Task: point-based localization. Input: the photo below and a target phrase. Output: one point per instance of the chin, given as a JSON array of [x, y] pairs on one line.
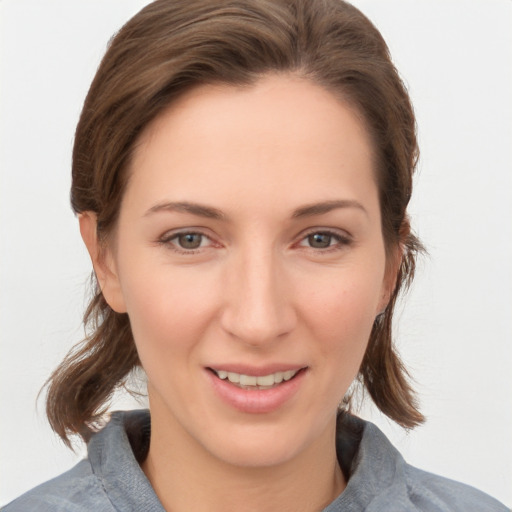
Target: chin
[[261, 453], [259, 446]]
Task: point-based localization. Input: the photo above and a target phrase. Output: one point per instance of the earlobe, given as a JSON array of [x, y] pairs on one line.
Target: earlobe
[[103, 262]]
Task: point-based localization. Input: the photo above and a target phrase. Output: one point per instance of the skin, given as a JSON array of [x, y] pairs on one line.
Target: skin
[[257, 290]]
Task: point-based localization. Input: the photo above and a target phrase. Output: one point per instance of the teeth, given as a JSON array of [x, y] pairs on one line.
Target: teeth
[[233, 377], [267, 380], [288, 375], [250, 380]]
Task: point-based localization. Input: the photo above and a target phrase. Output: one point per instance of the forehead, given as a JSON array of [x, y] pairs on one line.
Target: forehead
[[281, 134]]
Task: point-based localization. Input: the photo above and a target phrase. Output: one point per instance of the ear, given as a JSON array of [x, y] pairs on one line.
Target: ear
[[103, 262], [393, 262]]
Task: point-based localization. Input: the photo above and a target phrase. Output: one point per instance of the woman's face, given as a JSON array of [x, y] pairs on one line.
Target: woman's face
[[249, 257]]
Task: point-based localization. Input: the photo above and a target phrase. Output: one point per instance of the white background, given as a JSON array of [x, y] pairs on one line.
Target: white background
[[455, 333]]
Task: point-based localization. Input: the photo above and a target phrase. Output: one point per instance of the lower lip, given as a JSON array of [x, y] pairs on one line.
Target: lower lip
[[256, 401]]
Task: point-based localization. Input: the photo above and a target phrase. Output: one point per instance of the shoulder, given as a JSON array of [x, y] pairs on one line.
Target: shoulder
[[379, 479], [109, 479], [432, 492], [77, 490]]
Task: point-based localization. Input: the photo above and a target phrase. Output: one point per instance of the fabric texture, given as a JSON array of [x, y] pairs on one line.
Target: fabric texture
[[379, 479]]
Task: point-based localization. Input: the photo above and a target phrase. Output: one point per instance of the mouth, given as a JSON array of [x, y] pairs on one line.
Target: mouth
[[260, 382]]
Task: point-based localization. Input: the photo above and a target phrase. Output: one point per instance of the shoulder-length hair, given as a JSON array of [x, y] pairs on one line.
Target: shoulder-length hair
[[168, 48]]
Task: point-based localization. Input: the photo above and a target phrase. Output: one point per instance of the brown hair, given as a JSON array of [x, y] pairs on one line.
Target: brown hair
[[173, 45]]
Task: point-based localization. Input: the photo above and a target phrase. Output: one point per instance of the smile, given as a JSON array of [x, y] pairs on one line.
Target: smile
[[266, 392], [256, 382]]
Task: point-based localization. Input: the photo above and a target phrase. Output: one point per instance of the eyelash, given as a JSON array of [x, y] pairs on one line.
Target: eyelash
[[168, 241], [341, 241]]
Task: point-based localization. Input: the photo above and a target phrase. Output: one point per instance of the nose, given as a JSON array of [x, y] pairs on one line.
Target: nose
[[258, 303]]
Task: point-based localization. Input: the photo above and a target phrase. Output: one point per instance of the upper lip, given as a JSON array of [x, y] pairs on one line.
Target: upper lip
[[256, 371]]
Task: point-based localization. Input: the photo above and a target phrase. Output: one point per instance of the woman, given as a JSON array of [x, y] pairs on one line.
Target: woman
[[241, 174]]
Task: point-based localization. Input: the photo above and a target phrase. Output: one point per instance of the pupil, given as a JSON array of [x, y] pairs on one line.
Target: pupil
[[190, 240], [319, 240]]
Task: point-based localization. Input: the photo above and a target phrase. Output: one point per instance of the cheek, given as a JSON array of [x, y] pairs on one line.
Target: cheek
[[341, 315], [168, 309], [339, 319]]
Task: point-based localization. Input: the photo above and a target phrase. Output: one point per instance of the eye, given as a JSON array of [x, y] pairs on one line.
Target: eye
[[324, 240], [185, 242], [319, 240], [189, 240]]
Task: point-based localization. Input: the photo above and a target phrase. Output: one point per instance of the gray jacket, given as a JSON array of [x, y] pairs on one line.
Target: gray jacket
[[379, 479]]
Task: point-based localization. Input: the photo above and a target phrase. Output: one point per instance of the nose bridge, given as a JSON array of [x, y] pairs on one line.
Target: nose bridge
[[258, 308]]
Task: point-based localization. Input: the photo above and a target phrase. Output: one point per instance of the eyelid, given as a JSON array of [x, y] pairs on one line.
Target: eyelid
[[173, 233], [169, 236], [343, 237]]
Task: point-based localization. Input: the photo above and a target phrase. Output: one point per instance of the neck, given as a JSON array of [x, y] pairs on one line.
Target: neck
[[187, 478]]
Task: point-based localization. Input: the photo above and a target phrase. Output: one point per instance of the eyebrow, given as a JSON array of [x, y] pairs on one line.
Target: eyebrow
[[213, 213], [186, 207], [326, 207]]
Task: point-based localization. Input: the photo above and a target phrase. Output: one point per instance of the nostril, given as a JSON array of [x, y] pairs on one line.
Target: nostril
[[258, 327]]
